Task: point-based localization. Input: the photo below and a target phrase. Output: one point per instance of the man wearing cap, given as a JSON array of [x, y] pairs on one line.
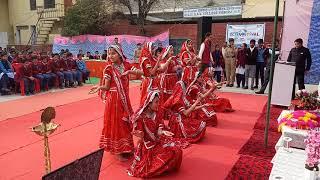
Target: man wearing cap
[[230, 62]]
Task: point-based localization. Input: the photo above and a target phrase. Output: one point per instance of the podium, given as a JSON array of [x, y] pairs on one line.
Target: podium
[[283, 78]]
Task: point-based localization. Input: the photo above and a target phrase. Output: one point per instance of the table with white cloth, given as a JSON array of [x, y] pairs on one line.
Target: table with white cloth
[[297, 135], [288, 165]]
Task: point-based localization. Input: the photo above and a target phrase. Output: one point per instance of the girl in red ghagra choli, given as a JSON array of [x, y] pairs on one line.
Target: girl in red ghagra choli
[[219, 104], [169, 67], [114, 90], [182, 122], [154, 155], [188, 58], [207, 112], [149, 66]]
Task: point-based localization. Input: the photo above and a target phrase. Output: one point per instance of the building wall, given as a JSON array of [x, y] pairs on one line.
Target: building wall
[[4, 22], [190, 31], [21, 15], [261, 8]]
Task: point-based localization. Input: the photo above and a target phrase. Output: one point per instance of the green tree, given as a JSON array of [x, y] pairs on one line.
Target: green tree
[[87, 17]]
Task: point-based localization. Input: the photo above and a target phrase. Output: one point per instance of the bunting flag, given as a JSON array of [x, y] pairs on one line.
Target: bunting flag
[[92, 43]]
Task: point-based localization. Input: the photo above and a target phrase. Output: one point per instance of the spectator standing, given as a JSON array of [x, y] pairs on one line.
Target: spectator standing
[[260, 63], [242, 57], [250, 65], [205, 53], [218, 60], [230, 62], [302, 57], [268, 67]]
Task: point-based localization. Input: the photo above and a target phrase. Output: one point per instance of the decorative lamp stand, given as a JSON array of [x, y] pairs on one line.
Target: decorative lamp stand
[[44, 129]]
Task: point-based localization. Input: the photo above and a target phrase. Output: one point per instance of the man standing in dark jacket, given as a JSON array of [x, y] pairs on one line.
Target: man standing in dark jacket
[[250, 67], [302, 57]]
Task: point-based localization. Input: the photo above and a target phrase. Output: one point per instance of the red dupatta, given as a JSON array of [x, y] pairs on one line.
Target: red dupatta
[[146, 53], [185, 49], [116, 75]]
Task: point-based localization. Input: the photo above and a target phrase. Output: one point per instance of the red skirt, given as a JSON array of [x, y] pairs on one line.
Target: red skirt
[[148, 84], [208, 115], [188, 128], [116, 134], [221, 105], [167, 84], [189, 73], [155, 161]]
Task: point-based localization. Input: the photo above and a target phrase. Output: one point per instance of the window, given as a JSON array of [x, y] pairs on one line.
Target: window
[[33, 4], [49, 4]]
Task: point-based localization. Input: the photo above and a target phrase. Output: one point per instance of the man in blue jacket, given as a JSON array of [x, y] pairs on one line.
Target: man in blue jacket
[[6, 75]]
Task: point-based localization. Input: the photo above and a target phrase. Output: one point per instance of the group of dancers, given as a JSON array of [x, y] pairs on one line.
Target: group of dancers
[[174, 111]]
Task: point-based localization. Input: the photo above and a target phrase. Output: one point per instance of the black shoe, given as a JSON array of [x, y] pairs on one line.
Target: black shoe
[[255, 87], [259, 92], [252, 88], [230, 85], [246, 87], [238, 86]]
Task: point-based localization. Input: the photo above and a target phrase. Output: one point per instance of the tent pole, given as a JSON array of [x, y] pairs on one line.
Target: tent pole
[[275, 29]]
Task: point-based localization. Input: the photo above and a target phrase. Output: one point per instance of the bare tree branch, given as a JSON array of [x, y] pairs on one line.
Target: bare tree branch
[[144, 7]]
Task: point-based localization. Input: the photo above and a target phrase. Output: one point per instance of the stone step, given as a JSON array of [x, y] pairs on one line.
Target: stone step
[[46, 25], [43, 35], [45, 29]]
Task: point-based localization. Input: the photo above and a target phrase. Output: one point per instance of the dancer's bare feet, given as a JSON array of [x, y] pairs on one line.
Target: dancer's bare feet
[[124, 157]]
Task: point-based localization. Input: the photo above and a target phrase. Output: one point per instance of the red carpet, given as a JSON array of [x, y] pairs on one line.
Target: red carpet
[[250, 167], [21, 152], [255, 159]]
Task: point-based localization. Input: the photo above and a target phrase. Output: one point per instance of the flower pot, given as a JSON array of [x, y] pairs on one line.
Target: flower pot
[[311, 173]]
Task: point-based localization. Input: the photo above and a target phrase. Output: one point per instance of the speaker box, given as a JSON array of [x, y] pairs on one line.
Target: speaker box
[[85, 168], [204, 26]]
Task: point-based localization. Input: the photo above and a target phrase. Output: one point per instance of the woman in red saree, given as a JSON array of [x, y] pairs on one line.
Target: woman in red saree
[[149, 66], [182, 122], [188, 59], [196, 89], [219, 104], [169, 67], [154, 155], [114, 90]]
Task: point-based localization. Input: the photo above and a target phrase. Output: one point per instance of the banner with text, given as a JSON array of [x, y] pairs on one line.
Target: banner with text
[[243, 33], [213, 12]]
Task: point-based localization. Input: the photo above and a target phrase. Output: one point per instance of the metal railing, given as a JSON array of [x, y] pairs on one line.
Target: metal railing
[[49, 13], [57, 12]]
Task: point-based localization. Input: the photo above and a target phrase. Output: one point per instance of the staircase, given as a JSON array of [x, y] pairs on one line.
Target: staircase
[[46, 20]]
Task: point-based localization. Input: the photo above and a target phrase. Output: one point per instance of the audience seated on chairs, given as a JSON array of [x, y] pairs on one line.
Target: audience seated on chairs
[[81, 64], [37, 69], [68, 75], [53, 80], [56, 69], [74, 69], [28, 79], [6, 75], [18, 77], [34, 71]]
